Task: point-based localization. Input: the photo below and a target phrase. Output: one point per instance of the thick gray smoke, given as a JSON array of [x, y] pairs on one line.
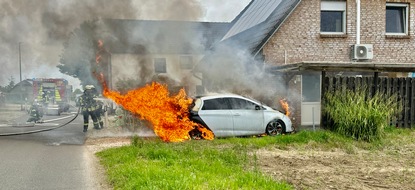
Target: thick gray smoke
[[42, 26], [232, 69]]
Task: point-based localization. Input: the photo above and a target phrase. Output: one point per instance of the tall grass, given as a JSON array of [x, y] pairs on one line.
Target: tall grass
[[358, 114]]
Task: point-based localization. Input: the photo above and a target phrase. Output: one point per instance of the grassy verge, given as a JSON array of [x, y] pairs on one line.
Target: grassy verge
[[218, 164]]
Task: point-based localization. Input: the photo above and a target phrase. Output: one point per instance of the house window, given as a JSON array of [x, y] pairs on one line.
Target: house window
[[396, 18], [311, 87], [186, 62], [160, 65], [333, 17]]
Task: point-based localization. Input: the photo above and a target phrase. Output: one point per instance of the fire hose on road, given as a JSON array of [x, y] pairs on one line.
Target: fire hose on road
[[41, 130]]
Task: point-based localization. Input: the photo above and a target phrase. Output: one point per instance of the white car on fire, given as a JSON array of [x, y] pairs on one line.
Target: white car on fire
[[228, 115]]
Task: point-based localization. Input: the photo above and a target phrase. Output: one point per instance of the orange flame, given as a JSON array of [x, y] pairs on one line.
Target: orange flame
[[100, 44], [285, 106], [98, 54], [169, 115]]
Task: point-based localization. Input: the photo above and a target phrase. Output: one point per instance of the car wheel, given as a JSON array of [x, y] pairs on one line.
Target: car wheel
[[275, 127], [195, 134]]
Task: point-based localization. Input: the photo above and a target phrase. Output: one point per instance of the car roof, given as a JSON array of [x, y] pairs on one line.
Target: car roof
[[225, 95]]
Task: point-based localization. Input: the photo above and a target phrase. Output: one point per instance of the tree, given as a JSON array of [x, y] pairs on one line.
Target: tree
[[10, 86], [78, 56], [76, 93]]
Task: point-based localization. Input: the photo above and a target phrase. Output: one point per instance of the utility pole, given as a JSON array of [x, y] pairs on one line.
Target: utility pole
[[20, 71]]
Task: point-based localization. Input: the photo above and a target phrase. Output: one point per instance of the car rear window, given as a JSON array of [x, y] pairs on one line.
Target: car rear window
[[215, 104]]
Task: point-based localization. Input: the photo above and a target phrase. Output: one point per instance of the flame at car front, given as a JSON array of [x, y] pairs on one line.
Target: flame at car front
[[285, 106], [169, 115]]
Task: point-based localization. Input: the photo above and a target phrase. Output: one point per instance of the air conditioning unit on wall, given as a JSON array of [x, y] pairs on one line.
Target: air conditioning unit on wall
[[362, 52]]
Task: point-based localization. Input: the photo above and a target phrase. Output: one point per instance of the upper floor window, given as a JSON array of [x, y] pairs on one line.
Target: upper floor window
[[333, 17], [396, 18], [160, 65]]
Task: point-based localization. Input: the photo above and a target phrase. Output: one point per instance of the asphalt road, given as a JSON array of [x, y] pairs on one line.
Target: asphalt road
[[53, 159]]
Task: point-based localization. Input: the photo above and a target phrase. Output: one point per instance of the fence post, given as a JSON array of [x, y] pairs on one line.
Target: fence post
[[411, 99], [375, 83], [323, 92]]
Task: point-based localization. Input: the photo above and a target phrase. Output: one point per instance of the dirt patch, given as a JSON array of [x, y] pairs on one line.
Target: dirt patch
[[99, 144], [308, 168]]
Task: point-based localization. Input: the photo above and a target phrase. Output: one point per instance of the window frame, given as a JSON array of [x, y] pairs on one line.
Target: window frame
[[334, 6], [406, 22], [164, 65]]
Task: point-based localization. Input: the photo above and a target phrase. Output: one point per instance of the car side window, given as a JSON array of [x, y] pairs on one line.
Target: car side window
[[215, 104], [241, 104]]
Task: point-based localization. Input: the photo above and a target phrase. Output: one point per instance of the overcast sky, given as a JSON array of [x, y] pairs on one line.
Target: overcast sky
[[43, 25]]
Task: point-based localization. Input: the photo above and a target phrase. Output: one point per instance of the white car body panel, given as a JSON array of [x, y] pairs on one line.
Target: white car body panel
[[247, 122], [239, 122], [219, 120]]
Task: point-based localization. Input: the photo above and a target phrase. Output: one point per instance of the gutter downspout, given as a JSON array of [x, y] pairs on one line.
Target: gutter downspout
[[357, 21]]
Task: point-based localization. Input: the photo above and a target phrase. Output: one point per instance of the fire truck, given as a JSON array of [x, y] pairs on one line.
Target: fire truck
[[53, 94]]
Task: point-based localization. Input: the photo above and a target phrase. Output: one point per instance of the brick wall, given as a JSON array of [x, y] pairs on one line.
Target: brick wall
[[299, 39]]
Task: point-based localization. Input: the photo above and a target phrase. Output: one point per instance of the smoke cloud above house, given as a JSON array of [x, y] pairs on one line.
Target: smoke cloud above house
[[42, 26]]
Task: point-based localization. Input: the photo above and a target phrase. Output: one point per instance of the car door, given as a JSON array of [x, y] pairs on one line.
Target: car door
[[247, 117], [217, 116]]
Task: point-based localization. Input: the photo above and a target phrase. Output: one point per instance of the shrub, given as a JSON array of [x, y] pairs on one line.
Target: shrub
[[358, 114]]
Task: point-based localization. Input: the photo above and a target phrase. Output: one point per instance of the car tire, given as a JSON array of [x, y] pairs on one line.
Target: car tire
[[195, 134], [275, 127]]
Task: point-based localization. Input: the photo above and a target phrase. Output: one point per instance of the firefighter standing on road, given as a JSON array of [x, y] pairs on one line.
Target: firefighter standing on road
[[89, 106], [98, 108], [35, 114]]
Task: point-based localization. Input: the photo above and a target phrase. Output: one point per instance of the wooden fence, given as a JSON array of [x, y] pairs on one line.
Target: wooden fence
[[404, 88]]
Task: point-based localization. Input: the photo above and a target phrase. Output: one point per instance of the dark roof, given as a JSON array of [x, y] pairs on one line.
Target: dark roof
[[23, 84], [256, 24], [161, 36], [26, 82]]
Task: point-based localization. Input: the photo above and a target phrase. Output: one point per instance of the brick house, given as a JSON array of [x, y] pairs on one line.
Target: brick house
[[299, 41], [322, 34]]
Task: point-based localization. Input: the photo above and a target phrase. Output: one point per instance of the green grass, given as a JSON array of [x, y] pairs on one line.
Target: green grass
[[153, 164], [222, 163]]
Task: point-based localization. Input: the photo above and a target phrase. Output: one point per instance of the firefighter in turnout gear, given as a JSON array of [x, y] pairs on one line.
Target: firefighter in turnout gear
[[89, 106], [35, 114], [98, 108], [99, 113]]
